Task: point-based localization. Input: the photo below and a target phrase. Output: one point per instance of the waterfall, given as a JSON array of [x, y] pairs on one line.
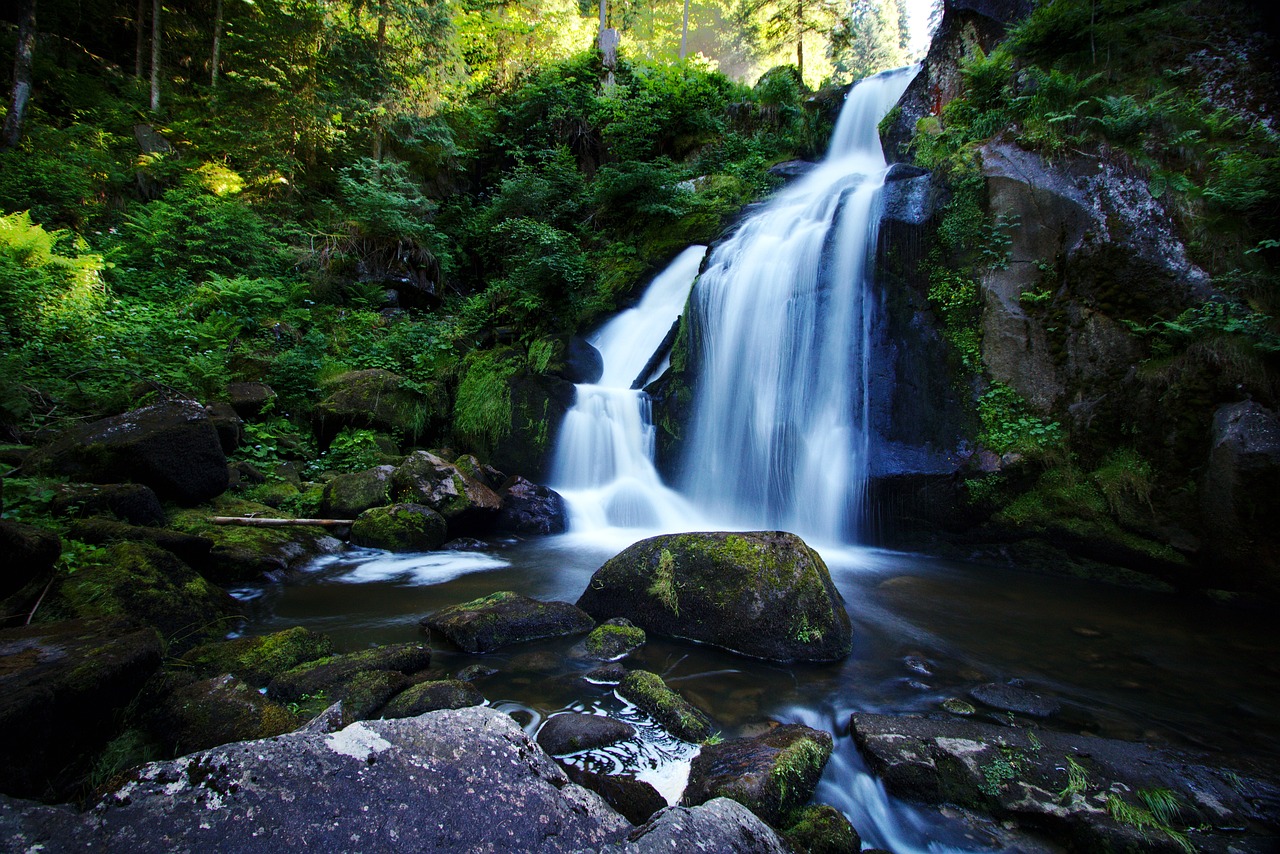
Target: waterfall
[[783, 315], [604, 460]]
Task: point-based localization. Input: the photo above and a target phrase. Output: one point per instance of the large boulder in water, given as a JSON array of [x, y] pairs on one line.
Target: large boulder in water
[[504, 618], [530, 508], [467, 505], [399, 528], [172, 447], [764, 594]]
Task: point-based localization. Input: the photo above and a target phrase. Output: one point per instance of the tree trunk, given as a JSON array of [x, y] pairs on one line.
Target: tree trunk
[[800, 41], [217, 45], [684, 31], [155, 56], [140, 30], [24, 54]]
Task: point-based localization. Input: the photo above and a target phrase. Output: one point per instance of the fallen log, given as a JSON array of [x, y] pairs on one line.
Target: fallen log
[[267, 522]]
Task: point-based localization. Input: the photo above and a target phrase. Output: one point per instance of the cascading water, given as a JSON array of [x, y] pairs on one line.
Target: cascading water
[[604, 459], [783, 314]]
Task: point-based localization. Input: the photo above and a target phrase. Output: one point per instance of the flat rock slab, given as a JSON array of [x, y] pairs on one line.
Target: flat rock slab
[[1011, 698], [1066, 786], [504, 618], [764, 594]]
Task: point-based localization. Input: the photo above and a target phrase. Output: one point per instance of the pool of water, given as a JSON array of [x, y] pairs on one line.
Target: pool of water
[[1123, 663]]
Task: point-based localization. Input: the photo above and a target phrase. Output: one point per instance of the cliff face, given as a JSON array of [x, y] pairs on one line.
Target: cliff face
[[1101, 389]]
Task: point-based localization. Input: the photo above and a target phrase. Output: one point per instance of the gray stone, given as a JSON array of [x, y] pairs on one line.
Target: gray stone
[[721, 825], [467, 505], [1012, 698], [531, 508], [569, 733], [504, 618]]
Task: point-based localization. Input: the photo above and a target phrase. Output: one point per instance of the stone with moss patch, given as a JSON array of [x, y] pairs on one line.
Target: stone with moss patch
[[771, 774], [614, 639], [257, 660], [329, 674], [467, 505], [763, 594], [432, 697], [380, 400], [400, 528], [349, 495], [505, 618], [652, 696], [822, 829], [217, 711], [366, 693]]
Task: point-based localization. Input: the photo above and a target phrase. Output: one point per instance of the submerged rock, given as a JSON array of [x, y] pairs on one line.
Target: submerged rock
[[570, 733], [771, 775], [1012, 698], [651, 695], [763, 594], [400, 528], [504, 618]]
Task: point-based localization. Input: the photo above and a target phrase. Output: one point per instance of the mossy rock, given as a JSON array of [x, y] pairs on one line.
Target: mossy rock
[[327, 675], [432, 697], [652, 696], [217, 711], [764, 594], [467, 505], [191, 549], [147, 585], [400, 528], [379, 400], [274, 494], [771, 775], [130, 502], [349, 495], [504, 618], [365, 694], [614, 639], [822, 829], [257, 660], [244, 553]]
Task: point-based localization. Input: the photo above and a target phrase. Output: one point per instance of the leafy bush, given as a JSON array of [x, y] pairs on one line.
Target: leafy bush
[[50, 285]]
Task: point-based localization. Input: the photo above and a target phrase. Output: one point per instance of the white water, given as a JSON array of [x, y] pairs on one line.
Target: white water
[[780, 433]]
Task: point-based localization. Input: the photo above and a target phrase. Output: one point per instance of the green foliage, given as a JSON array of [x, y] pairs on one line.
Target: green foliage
[[351, 450], [1162, 806], [1009, 426], [50, 286], [1077, 781], [482, 413], [663, 585]]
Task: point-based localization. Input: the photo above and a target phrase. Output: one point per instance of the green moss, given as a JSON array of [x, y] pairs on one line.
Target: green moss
[[821, 829], [400, 528], [611, 641], [797, 764], [482, 411], [257, 660], [652, 696], [663, 586]]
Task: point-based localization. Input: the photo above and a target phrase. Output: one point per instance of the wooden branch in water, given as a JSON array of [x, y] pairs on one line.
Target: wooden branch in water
[[266, 522]]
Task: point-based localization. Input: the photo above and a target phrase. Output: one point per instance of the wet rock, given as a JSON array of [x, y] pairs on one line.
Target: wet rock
[[614, 639], [431, 697], [763, 594], [399, 528], [249, 399], [719, 825], [635, 799], [822, 829], [956, 706], [609, 674], [530, 508], [379, 400], [99, 531], [504, 618], [171, 447], [465, 544], [1064, 785], [538, 405], [791, 169], [771, 775], [467, 505], [366, 694], [146, 585], [570, 733], [582, 362], [217, 711], [130, 502], [330, 673], [1239, 502], [1013, 698], [474, 672], [257, 660], [349, 495], [27, 555], [480, 784], [61, 685], [651, 695]]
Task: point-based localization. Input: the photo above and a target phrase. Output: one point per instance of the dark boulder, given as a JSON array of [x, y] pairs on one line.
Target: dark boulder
[[790, 170], [250, 399], [822, 829], [61, 685], [432, 697], [130, 502], [229, 425], [400, 528], [216, 711], [27, 555], [1014, 698], [771, 775], [635, 799], [366, 694], [191, 549], [349, 495], [614, 639], [171, 447], [471, 466], [570, 733], [582, 362], [379, 400], [650, 694], [504, 618], [530, 508], [763, 594], [467, 505], [1239, 499], [538, 405], [331, 673], [257, 660], [719, 825]]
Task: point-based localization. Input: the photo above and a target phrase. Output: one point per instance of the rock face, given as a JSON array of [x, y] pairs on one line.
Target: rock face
[[400, 528], [1239, 500], [171, 447], [503, 618], [530, 508], [763, 594], [374, 399], [1062, 784], [569, 733], [467, 505], [771, 775], [60, 685]]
